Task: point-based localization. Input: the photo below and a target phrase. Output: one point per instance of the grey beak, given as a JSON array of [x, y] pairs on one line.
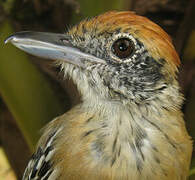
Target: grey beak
[[51, 46]]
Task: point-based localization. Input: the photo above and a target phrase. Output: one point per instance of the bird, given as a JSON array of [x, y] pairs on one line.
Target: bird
[[129, 124]]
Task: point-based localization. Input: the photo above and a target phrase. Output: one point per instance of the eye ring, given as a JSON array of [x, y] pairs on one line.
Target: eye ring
[[123, 48]]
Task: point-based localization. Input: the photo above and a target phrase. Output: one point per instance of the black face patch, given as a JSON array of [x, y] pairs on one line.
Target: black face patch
[[136, 79]]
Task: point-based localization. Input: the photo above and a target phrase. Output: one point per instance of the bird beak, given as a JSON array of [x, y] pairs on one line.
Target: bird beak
[[51, 46]]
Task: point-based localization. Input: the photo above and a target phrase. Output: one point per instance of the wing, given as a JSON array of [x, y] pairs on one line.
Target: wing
[[40, 164], [50, 159]]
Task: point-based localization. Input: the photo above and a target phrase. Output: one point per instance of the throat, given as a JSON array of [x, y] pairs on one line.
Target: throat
[[119, 136]]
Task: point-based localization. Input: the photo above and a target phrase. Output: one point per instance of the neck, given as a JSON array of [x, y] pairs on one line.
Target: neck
[[124, 128], [131, 130]]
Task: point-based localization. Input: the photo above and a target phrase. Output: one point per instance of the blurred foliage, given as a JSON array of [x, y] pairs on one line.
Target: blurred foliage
[[7, 5], [93, 8], [189, 53], [189, 57], [6, 173], [192, 171]]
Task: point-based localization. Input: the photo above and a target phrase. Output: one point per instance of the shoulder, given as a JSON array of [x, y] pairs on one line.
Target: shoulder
[[40, 165]]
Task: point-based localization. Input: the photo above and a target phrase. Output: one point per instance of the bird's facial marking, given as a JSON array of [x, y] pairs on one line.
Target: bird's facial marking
[[130, 70], [112, 46], [124, 75]]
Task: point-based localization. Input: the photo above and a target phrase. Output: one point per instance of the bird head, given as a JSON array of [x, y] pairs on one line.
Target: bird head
[[116, 56]]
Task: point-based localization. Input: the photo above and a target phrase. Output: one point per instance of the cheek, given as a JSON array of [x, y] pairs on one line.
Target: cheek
[[100, 82], [95, 79], [146, 71]]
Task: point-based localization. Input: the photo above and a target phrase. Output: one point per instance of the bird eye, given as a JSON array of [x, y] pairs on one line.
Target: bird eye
[[123, 48]]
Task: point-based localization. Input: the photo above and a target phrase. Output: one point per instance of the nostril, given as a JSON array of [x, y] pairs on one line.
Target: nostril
[[64, 39]]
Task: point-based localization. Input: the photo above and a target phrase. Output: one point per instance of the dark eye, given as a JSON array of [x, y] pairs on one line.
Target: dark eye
[[123, 48]]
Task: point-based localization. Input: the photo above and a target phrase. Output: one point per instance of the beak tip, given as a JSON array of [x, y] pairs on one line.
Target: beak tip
[[9, 39], [13, 38]]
